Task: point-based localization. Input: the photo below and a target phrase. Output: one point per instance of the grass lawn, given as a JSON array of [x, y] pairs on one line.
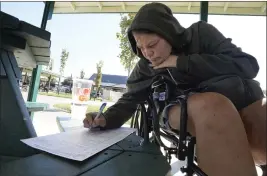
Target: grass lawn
[[54, 94], [90, 108], [62, 95], [67, 107]]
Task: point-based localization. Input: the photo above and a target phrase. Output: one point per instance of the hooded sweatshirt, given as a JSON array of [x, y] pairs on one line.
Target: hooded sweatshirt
[[205, 58]]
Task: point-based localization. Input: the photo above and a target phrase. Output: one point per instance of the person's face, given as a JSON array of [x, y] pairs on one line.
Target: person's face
[[153, 47]]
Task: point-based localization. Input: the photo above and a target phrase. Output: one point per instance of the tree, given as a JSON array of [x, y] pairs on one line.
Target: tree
[[50, 68], [67, 82], [53, 82], [127, 57], [82, 74], [51, 65], [49, 79], [98, 78], [63, 60]]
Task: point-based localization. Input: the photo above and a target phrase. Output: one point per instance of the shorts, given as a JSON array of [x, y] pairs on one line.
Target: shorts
[[241, 92]]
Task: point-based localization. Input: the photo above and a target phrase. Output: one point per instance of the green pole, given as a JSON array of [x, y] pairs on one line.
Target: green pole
[[36, 73], [204, 10], [34, 85], [35, 81]]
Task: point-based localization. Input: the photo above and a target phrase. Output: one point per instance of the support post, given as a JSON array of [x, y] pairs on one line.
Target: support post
[[36, 73], [204, 10]]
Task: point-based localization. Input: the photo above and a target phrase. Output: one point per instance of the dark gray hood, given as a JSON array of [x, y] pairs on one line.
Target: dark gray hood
[[158, 18]]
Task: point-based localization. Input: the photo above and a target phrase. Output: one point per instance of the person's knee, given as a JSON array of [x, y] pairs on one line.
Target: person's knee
[[203, 109], [208, 106], [212, 111], [208, 102]]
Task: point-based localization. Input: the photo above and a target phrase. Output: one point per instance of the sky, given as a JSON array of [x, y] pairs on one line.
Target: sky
[[90, 38]]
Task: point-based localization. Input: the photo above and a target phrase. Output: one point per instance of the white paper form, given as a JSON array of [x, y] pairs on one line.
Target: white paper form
[[78, 144]]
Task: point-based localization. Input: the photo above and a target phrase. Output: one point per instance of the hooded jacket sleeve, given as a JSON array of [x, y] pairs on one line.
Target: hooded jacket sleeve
[[122, 110], [218, 57], [125, 107]]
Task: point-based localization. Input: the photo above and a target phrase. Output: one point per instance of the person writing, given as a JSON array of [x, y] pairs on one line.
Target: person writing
[[228, 117]]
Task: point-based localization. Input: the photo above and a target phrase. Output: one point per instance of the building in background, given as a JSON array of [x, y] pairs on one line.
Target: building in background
[[115, 83], [112, 87]]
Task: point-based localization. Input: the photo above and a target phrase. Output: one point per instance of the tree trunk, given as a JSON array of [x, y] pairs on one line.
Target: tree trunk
[[129, 71], [49, 80], [25, 78], [58, 85]]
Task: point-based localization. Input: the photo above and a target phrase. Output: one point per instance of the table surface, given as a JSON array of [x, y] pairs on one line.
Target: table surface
[[128, 157]]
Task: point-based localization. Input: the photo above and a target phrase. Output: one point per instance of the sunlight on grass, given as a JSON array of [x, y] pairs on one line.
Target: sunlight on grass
[[62, 95], [67, 107], [54, 94], [90, 108]]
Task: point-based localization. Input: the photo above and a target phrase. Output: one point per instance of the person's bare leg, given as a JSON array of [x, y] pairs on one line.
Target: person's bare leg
[[222, 145], [254, 119]]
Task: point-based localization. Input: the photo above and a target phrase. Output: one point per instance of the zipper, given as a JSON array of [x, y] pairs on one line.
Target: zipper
[[172, 77]]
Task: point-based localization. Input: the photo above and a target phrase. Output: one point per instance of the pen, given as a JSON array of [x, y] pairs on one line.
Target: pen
[[101, 109]]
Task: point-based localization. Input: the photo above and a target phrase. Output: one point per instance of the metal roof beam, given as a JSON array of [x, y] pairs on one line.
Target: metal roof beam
[[123, 6], [225, 6], [100, 5], [263, 7], [73, 6], [189, 6]]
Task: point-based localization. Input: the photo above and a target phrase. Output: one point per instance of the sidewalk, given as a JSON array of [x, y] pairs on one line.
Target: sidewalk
[[45, 122]]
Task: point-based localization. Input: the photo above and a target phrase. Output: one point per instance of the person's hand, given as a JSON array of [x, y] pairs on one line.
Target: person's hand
[[88, 121], [171, 61]]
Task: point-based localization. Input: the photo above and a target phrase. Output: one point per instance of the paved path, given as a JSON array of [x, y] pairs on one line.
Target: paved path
[[45, 122]]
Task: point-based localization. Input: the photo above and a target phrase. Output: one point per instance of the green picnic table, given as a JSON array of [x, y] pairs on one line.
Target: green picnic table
[[35, 106]]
